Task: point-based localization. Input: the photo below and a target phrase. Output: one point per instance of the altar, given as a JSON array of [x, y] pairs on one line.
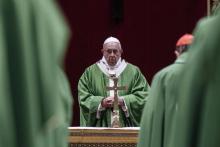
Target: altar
[[103, 137]]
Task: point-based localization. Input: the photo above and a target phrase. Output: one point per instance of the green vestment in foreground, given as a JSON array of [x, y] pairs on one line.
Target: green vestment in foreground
[[197, 119], [160, 108], [33, 36]]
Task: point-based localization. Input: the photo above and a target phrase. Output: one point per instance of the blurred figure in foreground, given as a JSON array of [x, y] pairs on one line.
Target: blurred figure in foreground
[[161, 105], [34, 111], [197, 119]]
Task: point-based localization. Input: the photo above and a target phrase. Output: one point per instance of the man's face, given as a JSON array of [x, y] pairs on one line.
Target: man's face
[[112, 52]]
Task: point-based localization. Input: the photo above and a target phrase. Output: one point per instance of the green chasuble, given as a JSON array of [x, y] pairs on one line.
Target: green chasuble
[[64, 110], [92, 89], [161, 106], [197, 122], [7, 135], [33, 36]]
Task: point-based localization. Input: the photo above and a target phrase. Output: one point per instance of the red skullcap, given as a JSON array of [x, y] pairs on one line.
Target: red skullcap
[[185, 40]]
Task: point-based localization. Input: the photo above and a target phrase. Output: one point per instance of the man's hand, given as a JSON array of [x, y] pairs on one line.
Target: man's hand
[[121, 101], [107, 102]]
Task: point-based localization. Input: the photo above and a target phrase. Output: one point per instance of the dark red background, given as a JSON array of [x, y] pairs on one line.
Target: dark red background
[[148, 33]]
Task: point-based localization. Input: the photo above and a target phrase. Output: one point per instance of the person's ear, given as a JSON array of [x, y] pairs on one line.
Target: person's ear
[[176, 53], [121, 50], [102, 50]]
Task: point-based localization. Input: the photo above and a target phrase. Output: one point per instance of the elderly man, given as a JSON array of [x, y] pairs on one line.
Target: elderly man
[[157, 117], [96, 103]]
